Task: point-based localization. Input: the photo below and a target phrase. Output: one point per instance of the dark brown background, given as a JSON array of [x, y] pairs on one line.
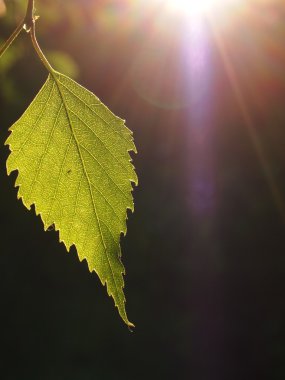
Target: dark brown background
[[204, 253]]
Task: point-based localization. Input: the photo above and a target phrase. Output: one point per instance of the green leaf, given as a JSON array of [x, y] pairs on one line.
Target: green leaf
[[73, 162]]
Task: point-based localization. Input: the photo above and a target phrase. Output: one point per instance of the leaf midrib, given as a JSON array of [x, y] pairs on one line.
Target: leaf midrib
[[93, 111], [88, 180]]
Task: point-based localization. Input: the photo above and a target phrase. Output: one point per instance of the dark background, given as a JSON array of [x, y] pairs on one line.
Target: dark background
[[204, 253]]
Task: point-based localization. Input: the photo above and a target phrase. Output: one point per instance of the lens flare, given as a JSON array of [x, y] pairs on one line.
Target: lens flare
[[191, 6], [194, 7]]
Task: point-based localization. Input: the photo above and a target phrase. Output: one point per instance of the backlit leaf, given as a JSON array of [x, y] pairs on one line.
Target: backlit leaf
[[72, 157]]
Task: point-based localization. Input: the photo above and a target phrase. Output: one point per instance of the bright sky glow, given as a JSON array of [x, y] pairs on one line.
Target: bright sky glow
[[193, 7]]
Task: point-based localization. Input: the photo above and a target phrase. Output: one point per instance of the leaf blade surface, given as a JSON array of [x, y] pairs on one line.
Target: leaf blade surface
[[72, 157]]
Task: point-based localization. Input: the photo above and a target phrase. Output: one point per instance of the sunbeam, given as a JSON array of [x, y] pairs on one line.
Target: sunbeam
[[194, 7]]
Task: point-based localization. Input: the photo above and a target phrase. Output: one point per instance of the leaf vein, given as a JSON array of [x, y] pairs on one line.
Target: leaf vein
[[89, 183], [99, 163], [46, 149], [107, 201], [92, 110], [75, 206], [102, 142], [59, 177], [20, 149]]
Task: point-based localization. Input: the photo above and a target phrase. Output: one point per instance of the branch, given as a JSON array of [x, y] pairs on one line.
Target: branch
[[26, 24], [13, 36], [29, 18]]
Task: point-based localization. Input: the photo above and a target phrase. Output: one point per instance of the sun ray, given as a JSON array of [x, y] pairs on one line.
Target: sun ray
[[195, 7], [248, 121]]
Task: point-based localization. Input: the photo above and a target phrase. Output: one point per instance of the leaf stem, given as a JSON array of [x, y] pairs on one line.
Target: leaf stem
[[28, 23], [39, 50]]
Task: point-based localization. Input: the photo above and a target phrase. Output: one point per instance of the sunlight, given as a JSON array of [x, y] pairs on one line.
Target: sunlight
[[193, 7]]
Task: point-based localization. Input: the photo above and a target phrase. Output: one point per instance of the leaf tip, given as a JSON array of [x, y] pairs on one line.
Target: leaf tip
[[131, 327]]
